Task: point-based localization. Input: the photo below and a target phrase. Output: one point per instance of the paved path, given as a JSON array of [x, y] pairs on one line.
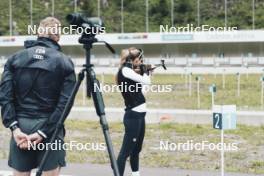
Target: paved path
[[105, 170], [255, 118]]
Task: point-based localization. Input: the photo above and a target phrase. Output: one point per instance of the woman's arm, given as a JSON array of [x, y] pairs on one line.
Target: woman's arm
[[131, 74]]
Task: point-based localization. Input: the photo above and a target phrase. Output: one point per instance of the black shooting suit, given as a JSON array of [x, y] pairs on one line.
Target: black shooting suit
[[36, 84]]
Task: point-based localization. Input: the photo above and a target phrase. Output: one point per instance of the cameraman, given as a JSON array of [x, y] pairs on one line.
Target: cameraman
[[131, 80], [36, 84]]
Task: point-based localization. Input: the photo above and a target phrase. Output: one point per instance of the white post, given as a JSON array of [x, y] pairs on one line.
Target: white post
[[198, 94], [212, 99], [222, 153], [247, 73], [186, 79], [215, 72], [238, 84], [190, 84], [223, 78], [262, 92]]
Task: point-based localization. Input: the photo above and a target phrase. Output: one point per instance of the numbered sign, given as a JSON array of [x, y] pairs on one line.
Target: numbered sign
[[224, 117], [229, 116], [217, 120]]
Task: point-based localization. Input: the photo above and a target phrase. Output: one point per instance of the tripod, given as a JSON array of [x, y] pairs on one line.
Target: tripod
[[92, 90]]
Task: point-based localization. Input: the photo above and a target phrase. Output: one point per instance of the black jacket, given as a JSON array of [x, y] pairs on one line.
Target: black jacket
[[131, 91], [36, 83]]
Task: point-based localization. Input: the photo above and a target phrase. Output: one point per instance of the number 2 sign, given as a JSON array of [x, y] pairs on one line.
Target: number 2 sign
[[217, 120], [224, 117]]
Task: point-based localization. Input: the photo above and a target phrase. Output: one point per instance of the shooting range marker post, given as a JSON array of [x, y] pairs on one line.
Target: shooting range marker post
[[190, 84], [224, 118], [186, 77], [212, 90], [262, 90], [223, 78], [238, 84], [246, 65], [198, 78]]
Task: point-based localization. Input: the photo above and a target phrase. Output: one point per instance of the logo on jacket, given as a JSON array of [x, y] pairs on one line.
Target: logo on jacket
[[39, 52]]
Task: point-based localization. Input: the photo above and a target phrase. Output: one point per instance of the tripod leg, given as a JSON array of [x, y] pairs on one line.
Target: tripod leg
[[100, 110], [60, 123]]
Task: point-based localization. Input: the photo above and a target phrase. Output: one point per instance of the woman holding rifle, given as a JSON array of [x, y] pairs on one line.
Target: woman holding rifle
[[131, 77]]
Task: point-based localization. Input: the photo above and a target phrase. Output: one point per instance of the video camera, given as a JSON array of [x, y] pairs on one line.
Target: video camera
[[90, 26]]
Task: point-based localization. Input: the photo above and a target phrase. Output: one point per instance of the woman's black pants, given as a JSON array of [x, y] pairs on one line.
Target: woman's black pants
[[133, 139]]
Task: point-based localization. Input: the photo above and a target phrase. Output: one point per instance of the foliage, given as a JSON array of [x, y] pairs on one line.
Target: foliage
[[239, 13]]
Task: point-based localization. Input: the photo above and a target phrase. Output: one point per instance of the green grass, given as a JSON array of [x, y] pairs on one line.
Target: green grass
[[248, 159], [249, 99]]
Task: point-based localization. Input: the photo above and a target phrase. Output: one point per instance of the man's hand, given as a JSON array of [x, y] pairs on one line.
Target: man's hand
[[23, 140], [20, 138], [35, 138]]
